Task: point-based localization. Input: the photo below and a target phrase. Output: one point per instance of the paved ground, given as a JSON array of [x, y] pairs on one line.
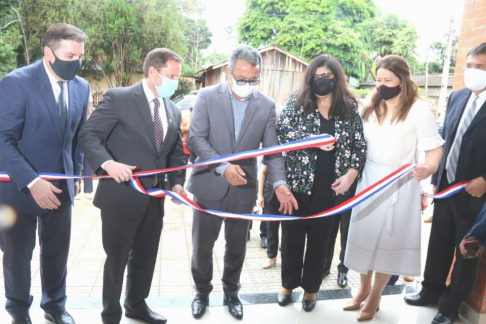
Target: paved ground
[[172, 275]]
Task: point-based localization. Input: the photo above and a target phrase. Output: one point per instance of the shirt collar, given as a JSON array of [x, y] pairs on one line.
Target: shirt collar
[[52, 78], [148, 93], [482, 95]]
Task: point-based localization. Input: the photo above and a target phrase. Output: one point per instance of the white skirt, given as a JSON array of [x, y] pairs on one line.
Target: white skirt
[[384, 233]]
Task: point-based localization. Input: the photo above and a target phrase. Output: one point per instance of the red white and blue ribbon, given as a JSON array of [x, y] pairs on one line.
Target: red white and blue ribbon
[[316, 141]]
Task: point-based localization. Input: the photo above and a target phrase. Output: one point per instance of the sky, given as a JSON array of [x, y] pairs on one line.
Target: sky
[[431, 18]]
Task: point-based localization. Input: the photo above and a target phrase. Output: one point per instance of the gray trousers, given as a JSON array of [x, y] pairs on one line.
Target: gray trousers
[[205, 231]]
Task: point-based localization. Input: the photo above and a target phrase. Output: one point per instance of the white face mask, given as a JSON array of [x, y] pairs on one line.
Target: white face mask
[[475, 79], [243, 91]]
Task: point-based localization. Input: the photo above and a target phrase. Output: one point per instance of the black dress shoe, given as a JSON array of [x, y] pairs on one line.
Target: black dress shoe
[[264, 243], [443, 319], [308, 305], [284, 300], [234, 306], [199, 305], [22, 320], [342, 279], [423, 298], [61, 317], [147, 316]]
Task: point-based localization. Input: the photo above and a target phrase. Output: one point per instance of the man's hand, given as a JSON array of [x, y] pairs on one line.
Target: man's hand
[[179, 190], [234, 175], [424, 203], [286, 199], [119, 171], [260, 201], [477, 187], [422, 171], [462, 247], [76, 187], [43, 193]]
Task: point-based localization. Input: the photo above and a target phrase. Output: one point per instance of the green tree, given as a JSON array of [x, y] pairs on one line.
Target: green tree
[[438, 50], [387, 35], [198, 38], [309, 27], [7, 57]]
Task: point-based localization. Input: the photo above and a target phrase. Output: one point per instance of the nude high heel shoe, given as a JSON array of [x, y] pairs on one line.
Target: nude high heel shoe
[[270, 263], [354, 305], [365, 316]]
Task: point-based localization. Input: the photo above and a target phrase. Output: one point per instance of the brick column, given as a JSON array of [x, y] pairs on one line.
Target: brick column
[[473, 32]]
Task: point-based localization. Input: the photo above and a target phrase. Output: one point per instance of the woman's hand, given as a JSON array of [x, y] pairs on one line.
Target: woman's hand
[[424, 203], [422, 171], [327, 147], [462, 247], [260, 201], [342, 184]]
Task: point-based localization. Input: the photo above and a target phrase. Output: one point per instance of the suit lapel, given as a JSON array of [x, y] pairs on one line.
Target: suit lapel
[[228, 110], [144, 108], [462, 102], [249, 112], [45, 92], [479, 116]]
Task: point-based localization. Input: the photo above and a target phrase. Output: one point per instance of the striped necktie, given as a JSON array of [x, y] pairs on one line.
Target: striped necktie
[[456, 146], [158, 130]]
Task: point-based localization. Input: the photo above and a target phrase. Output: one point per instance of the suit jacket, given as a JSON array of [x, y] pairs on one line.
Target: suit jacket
[[30, 133], [472, 156], [121, 129], [212, 134]]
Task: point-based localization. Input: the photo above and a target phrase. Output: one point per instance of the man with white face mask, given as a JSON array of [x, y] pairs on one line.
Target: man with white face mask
[[229, 118], [464, 159]]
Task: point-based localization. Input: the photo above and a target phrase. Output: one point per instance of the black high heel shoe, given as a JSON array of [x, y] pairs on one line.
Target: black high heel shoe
[[308, 305]]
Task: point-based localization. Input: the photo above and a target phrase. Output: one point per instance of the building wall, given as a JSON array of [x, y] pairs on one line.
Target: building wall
[[473, 32]]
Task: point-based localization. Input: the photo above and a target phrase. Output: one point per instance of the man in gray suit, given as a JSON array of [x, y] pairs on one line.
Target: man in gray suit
[[229, 118], [134, 128]]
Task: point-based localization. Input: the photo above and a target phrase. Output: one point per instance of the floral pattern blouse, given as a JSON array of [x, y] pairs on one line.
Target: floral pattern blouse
[[350, 148]]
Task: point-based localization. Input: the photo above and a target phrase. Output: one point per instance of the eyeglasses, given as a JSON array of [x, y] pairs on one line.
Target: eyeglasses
[[243, 82], [325, 75]]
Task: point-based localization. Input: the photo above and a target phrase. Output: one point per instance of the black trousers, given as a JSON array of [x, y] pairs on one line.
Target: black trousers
[[340, 221], [299, 270], [18, 243], [205, 232], [130, 242], [452, 220], [271, 207]]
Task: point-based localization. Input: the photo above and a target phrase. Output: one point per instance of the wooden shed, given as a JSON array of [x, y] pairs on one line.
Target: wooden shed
[[280, 75]]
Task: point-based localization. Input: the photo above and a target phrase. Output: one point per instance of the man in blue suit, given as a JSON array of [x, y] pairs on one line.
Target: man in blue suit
[[42, 109]]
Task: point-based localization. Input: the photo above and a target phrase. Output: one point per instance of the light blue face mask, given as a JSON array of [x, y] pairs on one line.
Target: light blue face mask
[[167, 88]]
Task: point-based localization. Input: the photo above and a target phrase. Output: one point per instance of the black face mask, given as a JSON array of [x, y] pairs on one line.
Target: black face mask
[[323, 87], [388, 93], [66, 70]]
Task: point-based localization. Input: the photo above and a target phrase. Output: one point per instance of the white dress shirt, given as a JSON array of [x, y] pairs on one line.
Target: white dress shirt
[[162, 113], [479, 103], [56, 90]]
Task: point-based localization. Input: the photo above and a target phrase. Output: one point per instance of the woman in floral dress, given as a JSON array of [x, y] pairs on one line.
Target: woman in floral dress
[[323, 104]]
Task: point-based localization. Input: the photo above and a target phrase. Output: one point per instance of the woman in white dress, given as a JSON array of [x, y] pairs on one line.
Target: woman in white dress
[[384, 234]]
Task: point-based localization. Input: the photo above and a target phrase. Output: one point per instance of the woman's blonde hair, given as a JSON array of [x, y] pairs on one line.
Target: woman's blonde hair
[[409, 90]]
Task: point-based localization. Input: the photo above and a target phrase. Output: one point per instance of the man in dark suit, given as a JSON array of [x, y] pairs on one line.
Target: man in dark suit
[[42, 108], [132, 128], [229, 118], [464, 159]]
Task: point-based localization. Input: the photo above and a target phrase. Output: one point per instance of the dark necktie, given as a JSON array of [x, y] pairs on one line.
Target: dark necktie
[[62, 106], [159, 132]]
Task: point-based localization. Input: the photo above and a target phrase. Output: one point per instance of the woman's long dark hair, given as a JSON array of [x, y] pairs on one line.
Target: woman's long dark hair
[[343, 101]]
